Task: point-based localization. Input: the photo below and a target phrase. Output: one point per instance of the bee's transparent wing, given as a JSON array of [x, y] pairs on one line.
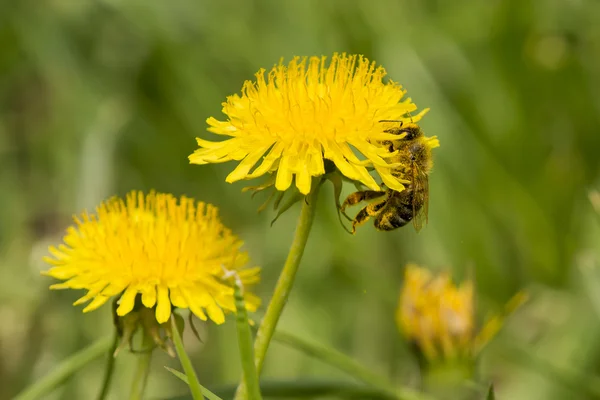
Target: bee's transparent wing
[[420, 198]]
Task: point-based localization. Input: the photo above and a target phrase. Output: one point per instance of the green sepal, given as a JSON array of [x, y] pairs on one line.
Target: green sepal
[[338, 183], [179, 321], [296, 197], [193, 327]]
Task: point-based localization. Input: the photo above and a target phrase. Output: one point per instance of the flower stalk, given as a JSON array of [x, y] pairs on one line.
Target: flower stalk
[[109, 368], [192, 378], [449, 380], [140, 379], [245, 344], [284, 285]]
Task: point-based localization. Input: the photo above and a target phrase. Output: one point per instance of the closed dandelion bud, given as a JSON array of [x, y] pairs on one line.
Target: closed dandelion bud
[[437, 316], [152, 254]]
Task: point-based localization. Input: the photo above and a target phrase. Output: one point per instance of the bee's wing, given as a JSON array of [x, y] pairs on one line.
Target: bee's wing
[[420, 198]]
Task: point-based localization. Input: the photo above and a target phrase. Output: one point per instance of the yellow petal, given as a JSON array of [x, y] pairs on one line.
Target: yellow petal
[[163, 306], [97, 302], [193, 305], [127, 301], [390, 180], [177, 298], [284, 174], [114, 288], [244, 167], [215, 313], [84, 299], [252, 301], [225, 302], [268, 161], [221, 127], [207, 144], [148, 295], [316, 165], [303, 181]]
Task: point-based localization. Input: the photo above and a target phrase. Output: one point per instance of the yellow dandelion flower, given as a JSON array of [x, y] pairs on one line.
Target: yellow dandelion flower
[[439, 316], [305, 112], [154, 248]]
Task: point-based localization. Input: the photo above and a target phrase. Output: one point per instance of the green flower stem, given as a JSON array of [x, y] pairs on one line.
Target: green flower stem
[[193, 383], [65, 370], [284, 284], [451, 380], [110, 365], [344, 363], [245, 344], [140, 379]]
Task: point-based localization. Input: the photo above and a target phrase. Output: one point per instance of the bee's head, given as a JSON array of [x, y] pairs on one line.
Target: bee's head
[[412, 132]]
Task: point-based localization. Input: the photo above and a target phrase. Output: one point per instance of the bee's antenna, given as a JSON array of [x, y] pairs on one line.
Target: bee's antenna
[[398, 120]]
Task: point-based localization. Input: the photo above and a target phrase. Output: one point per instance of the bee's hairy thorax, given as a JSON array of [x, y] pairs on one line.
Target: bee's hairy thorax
[[395, 209]]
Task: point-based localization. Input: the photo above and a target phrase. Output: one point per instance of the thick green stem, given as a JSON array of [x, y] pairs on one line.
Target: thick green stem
[[65, 370], [108, 371], [284, 285], [449, 381], [188, 368], [245, 345], [140, 378]]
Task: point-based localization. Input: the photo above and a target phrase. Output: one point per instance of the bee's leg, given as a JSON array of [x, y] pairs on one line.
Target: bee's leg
[[389, 144], [363, 195], [367, 212], [362, 217]]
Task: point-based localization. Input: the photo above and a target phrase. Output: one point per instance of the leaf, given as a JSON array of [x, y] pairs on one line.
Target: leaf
[[286, 206], [207, 393], [245, 343], [347, 364], [193, 327], [178, 374], [308, 389], [278, 200], [336, 181], [491, 395]]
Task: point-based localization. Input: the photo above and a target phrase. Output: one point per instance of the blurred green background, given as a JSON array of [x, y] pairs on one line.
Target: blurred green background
[[101, 97]]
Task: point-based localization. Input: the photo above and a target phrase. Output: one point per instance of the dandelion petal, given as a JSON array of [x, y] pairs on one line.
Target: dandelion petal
[[163, 307]]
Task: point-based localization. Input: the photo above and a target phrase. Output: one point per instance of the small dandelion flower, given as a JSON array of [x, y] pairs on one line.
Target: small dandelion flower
[[439, 316], [308, 112], [154, 251]]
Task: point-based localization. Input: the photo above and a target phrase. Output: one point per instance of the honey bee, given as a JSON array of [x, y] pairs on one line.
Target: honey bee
[[392, 209]]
